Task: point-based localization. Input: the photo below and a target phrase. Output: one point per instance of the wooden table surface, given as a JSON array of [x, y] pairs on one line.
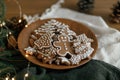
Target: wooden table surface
[[31, 7]]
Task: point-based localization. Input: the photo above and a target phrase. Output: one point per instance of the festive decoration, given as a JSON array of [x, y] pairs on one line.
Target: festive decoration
[[11, 41], [85, 5], [10, 56], [10, 30], [16, 24], [6, 70], [115, 16], [8, 49]]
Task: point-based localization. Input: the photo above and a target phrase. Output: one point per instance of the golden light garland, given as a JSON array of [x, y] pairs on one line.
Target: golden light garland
[[27, 73]]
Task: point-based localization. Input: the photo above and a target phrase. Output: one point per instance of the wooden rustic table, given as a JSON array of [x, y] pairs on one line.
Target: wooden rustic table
[[31, 7]]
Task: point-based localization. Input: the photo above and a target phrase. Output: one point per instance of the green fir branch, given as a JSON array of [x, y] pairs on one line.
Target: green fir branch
[[6, 68], [2, 10]]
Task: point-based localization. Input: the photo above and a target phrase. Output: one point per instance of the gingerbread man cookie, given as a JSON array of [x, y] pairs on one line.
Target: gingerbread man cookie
[[64, 45]]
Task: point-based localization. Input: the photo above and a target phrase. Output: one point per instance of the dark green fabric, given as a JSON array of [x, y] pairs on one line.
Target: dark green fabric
[[93, 70]]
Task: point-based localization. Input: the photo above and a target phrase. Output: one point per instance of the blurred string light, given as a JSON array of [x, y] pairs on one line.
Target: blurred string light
[[28, 71], [13, 78], [3, 24], [8, 77]]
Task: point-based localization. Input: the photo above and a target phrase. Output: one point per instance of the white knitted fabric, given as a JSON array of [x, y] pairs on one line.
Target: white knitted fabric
[[108, 38]]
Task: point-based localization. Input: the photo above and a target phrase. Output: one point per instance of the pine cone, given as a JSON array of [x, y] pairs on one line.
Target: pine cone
[[14, 23], [85, 5], [115, 16]]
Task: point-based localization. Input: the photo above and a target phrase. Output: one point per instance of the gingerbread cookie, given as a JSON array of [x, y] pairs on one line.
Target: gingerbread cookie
[[64, 45], [62, 60], [82, 44], [44, 41], [31, 42], [75, 59], [29, 50], [54, 43], [47, 55], [84, 39], [87, 53]]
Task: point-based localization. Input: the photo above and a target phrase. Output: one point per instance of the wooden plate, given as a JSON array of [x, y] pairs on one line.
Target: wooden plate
[[75, 26]]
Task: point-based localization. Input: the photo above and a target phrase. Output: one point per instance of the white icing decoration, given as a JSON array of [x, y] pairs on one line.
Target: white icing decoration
[[75, 59], [29, 50], [83, 38], [33, 37], [64, 60], [36, 31]]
